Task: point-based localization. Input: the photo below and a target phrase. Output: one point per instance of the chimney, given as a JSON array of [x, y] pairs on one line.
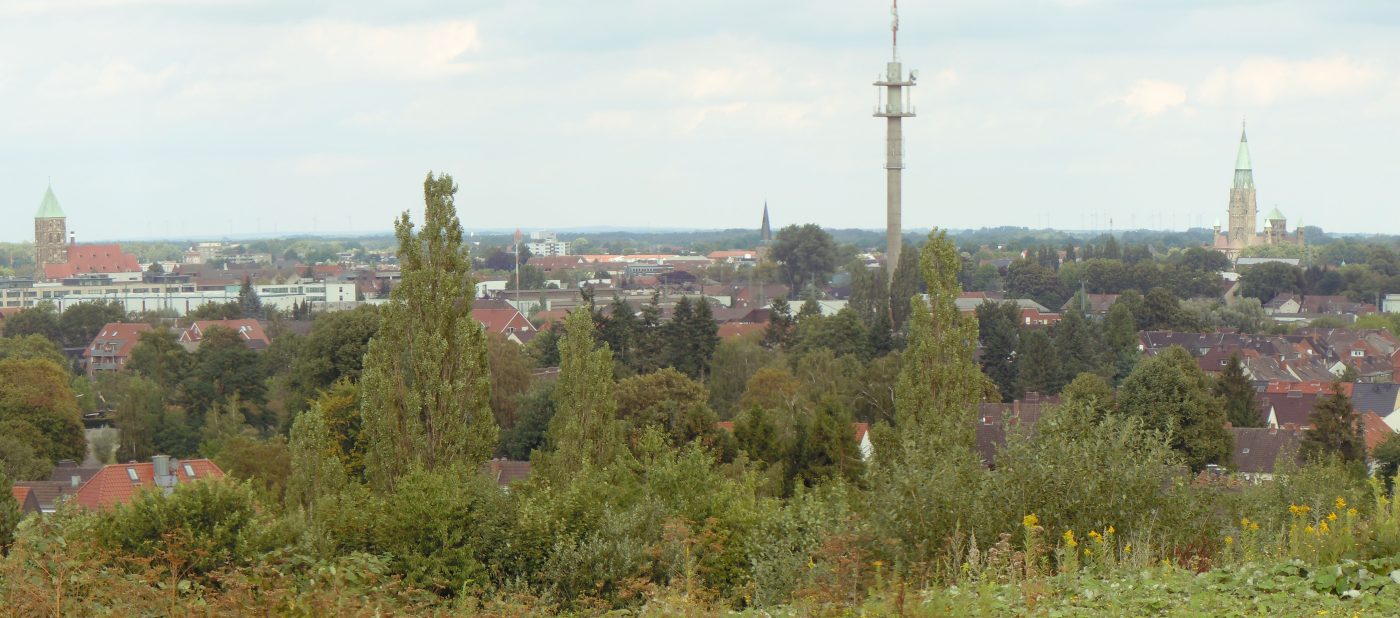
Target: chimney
[[164, 472], [1016, 407]]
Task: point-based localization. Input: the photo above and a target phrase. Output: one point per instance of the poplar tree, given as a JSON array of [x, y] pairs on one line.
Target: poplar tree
[[316, 466], [924, 468], [426, 382], [584, 429], [939, 384], [904, 284]]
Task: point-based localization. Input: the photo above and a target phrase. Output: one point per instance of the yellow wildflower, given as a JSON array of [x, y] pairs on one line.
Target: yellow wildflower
[[1341, 503], [1111, 530], [1069, 539], [1244, 522], [1331, 517], [1229, 540], [1297, 509], [1322, 528], [1253, 526], [1128, 549], [1308, 529], [878, 563], [1030, 521], [1095, 536], [1351, 512]]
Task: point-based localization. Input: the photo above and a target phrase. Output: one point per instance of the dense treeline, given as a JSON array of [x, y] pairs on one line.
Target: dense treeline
[[672, 472]]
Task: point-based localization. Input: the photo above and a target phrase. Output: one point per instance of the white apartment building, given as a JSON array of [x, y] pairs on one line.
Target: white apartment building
[[180, 298], [546, 243]]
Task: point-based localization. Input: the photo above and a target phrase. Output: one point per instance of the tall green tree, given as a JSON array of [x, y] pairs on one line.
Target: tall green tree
[[426, 384], [1172, 395], [807, 254], [316, 466], [940, 383], [904, 285], [1000, 335], [159, 356], [1038, 367], [620, 330], [80, 323], [41, 319], [584, 430], [1235, 391], [922, 466], [1077, 342], [248, 301], [780, 323], [333, 350], [1336, 428], [36, 399]]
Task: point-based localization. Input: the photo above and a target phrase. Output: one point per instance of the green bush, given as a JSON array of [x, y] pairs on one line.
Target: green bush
[[200, 527]]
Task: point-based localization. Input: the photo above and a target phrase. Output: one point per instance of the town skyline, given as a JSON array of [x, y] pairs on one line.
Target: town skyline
[[567, 118]]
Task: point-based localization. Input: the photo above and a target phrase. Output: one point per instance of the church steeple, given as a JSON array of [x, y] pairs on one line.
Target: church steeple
[[1244, 168], [48, 207], [765, 233]]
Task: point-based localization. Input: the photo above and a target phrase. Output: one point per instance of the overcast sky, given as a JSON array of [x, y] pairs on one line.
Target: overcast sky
[[203, 118]]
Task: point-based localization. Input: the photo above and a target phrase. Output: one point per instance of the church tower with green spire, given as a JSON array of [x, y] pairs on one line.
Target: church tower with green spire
[[50, 228], [1244, 212]]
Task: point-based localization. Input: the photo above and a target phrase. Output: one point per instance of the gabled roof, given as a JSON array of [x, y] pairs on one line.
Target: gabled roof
[[1257, 449], [1379, 398], [249, 330], [731, 330], [48, 207], [28, 501], [115, 485], [1292, 408], [122, 336], [499, 316]]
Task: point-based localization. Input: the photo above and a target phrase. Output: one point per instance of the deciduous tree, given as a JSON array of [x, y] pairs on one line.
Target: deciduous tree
[[426, 384]]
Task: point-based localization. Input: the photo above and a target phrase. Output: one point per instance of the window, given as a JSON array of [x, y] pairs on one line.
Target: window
[[189, 470], [131, 473], [1358, 353], [1245, 451]]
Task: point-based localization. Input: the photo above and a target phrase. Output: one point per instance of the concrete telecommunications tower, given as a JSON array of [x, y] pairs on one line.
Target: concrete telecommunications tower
[[894, 108]]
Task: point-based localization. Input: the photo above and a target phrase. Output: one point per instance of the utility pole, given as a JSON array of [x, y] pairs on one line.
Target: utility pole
[[518, 238]]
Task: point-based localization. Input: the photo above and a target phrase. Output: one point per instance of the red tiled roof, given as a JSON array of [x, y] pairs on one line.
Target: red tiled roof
[[114, 484], [106, 258], [248, 329], [122, 336], [498, 316], [1374, 430], [20, 493], [861, 429]]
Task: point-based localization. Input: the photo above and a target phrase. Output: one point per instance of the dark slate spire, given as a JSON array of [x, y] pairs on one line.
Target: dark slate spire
[[766, 232]]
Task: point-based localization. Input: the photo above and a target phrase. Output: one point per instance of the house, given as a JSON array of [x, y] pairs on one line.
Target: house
[[1259, 449], [1284, 303], [1287, 410], [28, 501], [250, 331], [1095, 305], [553, 263], [500, 317], [506, 471], [111, 348], [119, 483], [737, 330], [734, 256]]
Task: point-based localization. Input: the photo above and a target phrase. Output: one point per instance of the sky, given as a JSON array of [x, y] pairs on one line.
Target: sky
[[215, 118]]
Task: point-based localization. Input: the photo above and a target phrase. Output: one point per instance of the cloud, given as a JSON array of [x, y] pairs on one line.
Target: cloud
[[1149, 97], [107, 80], [1266, 80]]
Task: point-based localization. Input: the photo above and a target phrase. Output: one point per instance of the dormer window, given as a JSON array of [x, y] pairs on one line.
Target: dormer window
[[189, 470], [131, 473]]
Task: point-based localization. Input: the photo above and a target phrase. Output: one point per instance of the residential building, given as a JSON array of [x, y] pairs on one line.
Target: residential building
[[546, 243], [1258, 450], [500, 317], [119, 483], [111, 348], [248, 330]]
